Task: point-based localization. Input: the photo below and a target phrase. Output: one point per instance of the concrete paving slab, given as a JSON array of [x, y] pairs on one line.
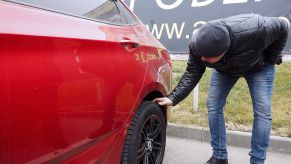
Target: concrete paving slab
[[191, 151], [234, 138]]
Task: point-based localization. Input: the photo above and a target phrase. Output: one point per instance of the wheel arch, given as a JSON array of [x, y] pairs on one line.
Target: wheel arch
[[155, 90]]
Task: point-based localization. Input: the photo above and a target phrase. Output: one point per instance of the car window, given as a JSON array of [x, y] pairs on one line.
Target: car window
[[101, 10], [129, 17]]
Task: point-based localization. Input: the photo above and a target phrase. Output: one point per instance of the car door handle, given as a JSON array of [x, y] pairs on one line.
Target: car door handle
[[128, 44]]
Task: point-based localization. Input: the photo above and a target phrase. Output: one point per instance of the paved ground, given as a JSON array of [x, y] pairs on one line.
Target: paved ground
[[185, 151]]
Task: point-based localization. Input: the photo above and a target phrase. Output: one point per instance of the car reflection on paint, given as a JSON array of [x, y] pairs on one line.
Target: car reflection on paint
[[77, 80]]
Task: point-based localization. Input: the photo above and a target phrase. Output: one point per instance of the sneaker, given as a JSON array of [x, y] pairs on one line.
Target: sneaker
[[213, 160]]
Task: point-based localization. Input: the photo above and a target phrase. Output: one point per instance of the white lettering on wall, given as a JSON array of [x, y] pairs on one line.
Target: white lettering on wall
[[174, 30], [168, 7], [197, 25], [156, 30], [195, 3]]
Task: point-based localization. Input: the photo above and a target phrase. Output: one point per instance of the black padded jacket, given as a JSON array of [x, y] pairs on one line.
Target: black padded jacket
[[255, 41]]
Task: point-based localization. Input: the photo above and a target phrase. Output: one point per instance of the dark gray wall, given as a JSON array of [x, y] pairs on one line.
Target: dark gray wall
[[163, 19]]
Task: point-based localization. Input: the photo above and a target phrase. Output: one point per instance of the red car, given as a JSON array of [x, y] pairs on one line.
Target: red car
[[76, 83]]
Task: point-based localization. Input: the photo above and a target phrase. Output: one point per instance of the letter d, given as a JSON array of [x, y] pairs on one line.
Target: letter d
[[168, 7]]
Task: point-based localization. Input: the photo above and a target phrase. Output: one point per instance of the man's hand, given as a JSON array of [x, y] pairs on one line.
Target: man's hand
[[163, 101]]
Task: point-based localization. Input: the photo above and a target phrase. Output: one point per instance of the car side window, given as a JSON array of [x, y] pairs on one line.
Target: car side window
[[100, 10], [107, 12], [131, 19]]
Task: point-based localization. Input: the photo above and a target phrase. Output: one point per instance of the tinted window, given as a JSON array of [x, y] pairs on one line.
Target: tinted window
[[102, 10]]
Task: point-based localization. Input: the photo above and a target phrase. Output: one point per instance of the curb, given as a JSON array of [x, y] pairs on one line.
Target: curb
[[234, 138]]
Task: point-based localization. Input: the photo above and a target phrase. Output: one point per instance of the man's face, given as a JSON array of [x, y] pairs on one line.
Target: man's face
[[211, 59]]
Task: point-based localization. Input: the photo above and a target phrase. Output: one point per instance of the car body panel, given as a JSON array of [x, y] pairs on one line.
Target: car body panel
[[70, 86]]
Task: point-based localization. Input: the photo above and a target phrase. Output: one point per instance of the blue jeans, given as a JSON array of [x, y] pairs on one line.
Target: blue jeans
[[261, 88]]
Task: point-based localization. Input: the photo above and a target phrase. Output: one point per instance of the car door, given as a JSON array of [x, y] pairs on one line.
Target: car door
[[70, 76]]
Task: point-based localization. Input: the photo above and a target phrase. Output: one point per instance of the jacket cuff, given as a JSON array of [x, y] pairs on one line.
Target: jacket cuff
[[277, 61], [171, 97]]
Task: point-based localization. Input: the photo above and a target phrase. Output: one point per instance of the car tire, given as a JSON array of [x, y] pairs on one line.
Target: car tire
[[146, 138]]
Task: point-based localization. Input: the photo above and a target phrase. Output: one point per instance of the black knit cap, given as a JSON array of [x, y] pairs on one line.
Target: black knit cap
[[211, 40]]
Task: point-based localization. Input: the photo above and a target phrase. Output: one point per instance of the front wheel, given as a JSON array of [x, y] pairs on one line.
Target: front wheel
[[146, 138]]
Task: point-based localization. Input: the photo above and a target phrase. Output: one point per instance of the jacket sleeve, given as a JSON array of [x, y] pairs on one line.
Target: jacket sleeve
[[276, 35], [189, 80]]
